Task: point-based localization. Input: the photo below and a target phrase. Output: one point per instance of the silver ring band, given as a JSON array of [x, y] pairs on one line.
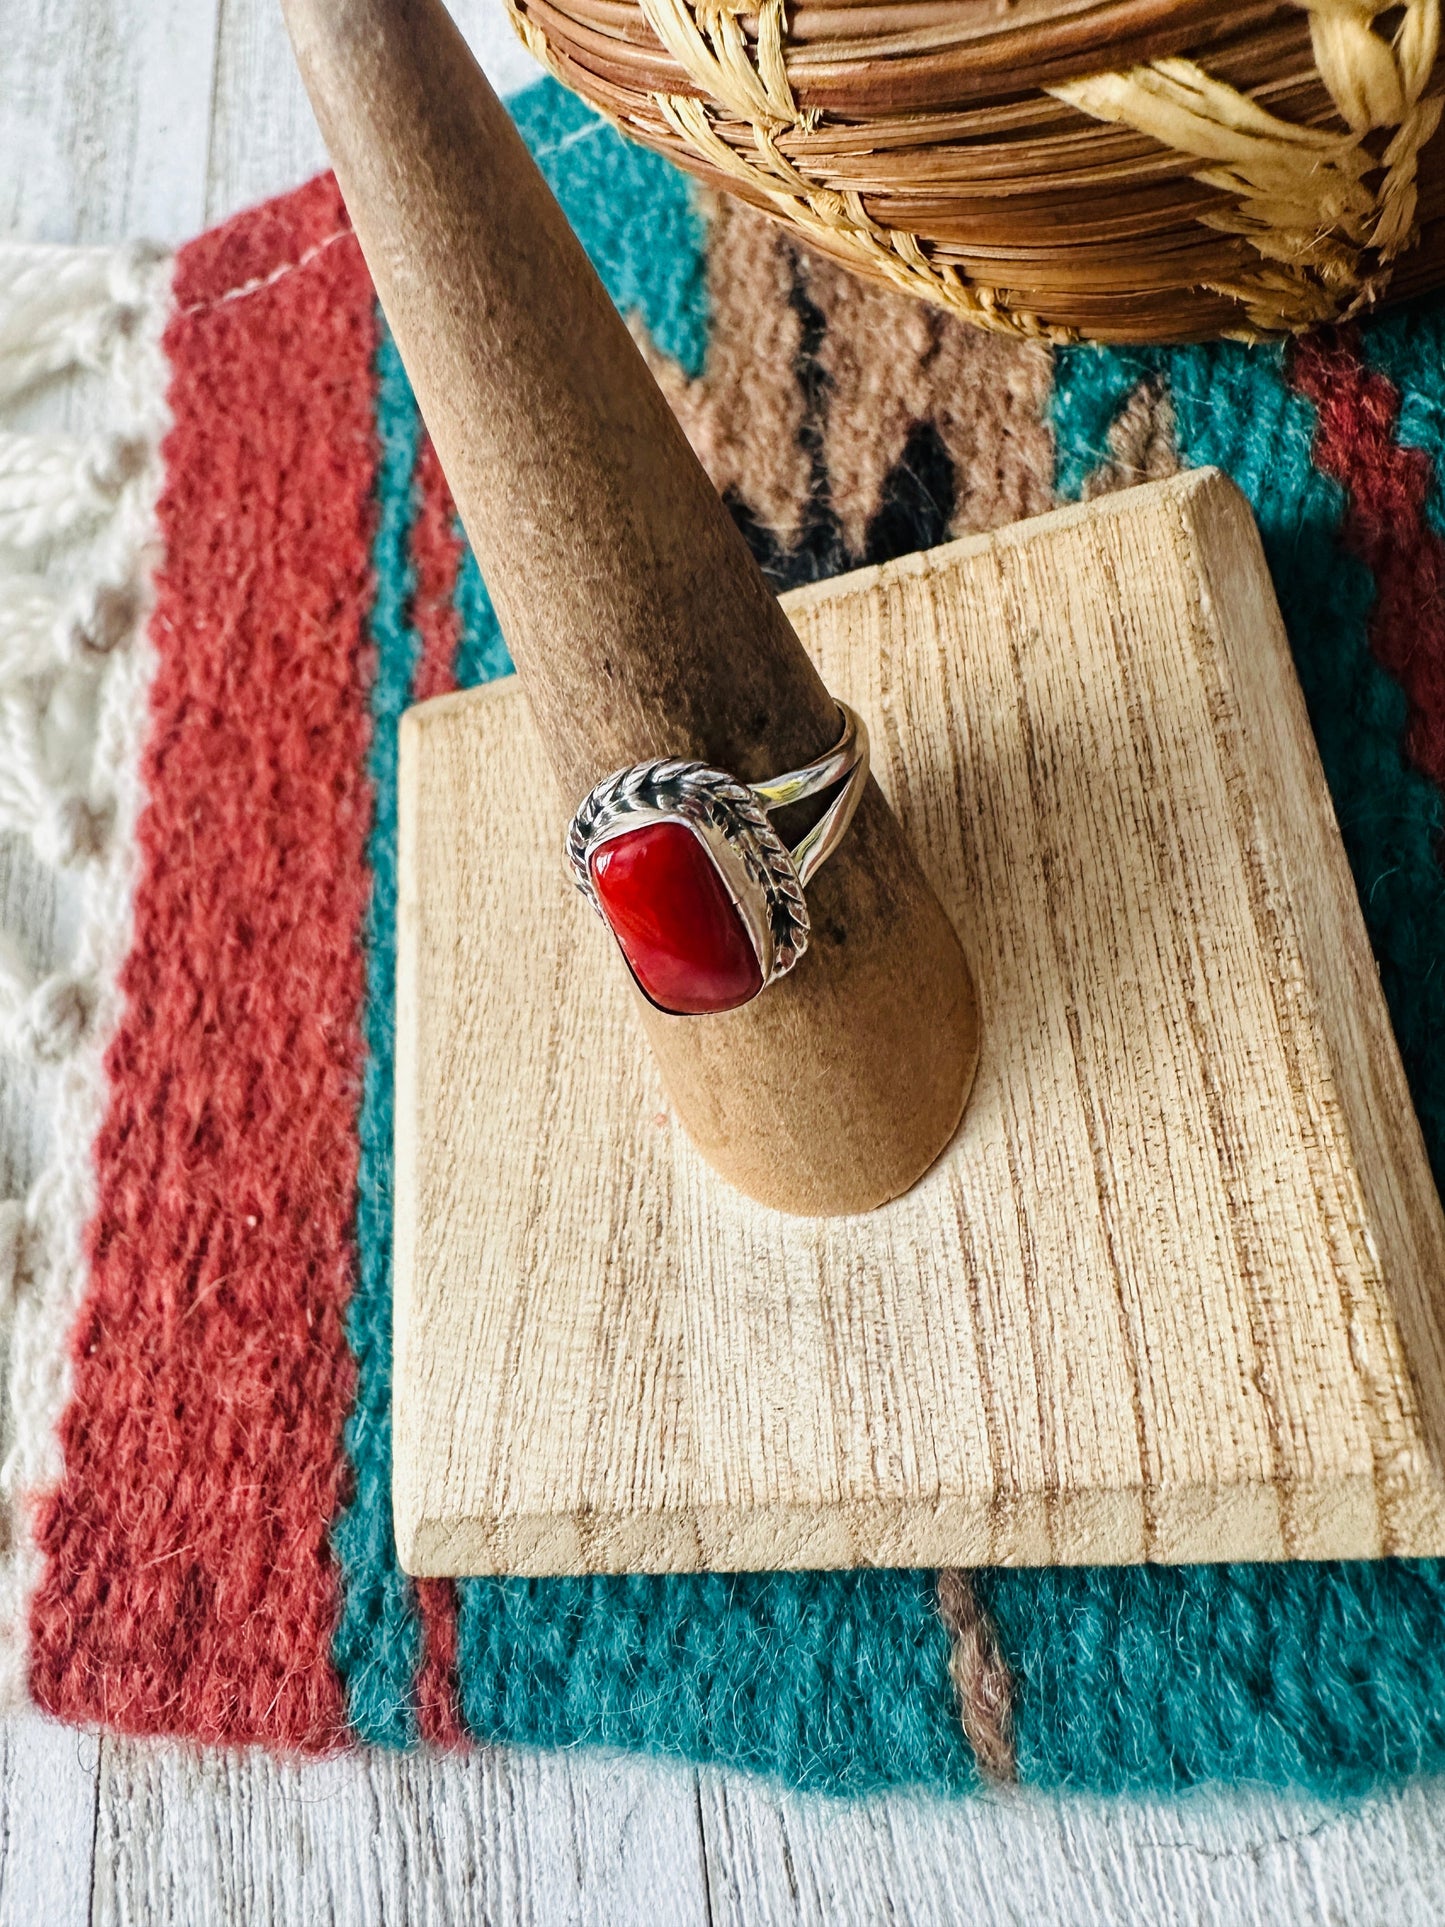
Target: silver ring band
[[667, 897], [848, 756]]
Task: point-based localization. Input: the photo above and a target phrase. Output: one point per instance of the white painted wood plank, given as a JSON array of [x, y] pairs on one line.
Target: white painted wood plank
[[493, 39], [205, 1839], [264, 137], [1248, 1858], [47, 1822], [104, 111]]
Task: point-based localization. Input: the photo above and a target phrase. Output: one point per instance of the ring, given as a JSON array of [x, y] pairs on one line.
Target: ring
[[703, 896]]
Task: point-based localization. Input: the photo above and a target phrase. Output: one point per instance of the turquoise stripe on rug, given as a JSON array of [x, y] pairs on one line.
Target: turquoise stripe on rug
[[481, 654], [835, 1681], [633, 212], [378, 1642]]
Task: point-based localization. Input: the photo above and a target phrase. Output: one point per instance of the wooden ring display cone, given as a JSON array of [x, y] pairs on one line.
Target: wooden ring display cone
[[638, 620]]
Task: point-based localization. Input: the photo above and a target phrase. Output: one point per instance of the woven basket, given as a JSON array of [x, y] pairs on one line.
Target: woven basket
[[1118, 170]]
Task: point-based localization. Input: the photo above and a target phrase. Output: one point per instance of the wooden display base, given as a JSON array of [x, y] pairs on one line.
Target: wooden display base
[[1172, 1293]]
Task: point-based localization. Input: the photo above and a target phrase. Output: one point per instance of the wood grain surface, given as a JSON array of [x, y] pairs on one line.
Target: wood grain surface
[[1166, 1296], [167, 1836]]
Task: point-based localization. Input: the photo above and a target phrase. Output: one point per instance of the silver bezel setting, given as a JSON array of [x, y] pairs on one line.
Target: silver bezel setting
[[755, 865]]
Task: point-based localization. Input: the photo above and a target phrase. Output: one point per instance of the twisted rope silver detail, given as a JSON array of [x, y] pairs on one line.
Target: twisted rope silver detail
[[697, 793]]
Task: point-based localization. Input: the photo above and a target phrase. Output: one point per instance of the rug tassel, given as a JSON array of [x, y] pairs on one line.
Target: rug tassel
[[42, 1019], [40, 631], [82, 507], [64, 308], [55, 486]]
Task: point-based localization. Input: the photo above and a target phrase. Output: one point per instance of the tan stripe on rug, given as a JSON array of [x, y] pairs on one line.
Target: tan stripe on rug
[[981, 1677]]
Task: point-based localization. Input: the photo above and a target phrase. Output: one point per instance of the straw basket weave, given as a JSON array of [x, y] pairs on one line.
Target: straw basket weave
[[1121, 170]]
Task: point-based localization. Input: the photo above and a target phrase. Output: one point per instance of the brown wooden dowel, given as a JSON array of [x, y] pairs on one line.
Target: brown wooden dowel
[[637, 618]]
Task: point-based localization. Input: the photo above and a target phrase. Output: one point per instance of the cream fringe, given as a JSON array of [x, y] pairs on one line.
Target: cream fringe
[[77, 531]]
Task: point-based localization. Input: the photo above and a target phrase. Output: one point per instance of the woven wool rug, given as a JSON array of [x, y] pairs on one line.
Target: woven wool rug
[[212, 613]]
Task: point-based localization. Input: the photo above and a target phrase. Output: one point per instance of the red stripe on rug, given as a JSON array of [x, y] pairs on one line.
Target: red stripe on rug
[[189, 1587], [436, 554], [229, 262], [1385, 526]]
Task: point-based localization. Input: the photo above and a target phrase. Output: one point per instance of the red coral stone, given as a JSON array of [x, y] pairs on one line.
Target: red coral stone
[[679, 929]]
